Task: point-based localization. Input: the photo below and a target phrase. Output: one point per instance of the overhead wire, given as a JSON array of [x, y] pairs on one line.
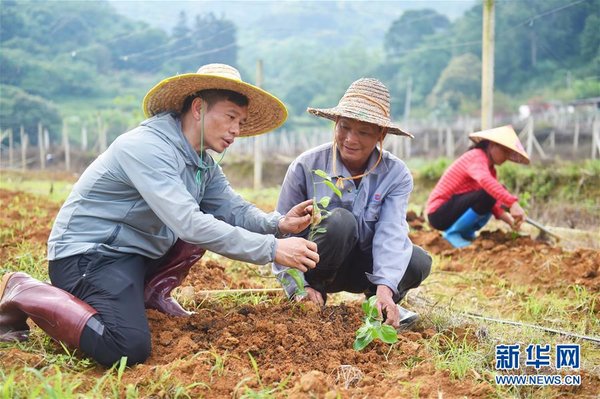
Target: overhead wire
[[169, 44], [527, 21]]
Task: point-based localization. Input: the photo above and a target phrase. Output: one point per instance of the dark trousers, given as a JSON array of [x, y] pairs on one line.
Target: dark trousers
[[114, 286], [342, 265], [445, 216]]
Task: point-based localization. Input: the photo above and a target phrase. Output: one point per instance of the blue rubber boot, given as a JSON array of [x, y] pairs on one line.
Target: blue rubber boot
[[463, 225], [483, 219]]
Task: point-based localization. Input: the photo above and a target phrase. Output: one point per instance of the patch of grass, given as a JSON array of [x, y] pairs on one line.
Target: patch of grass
[[262, 391], [414, 389], [54, 188], [163, 384], [218, 362], [30, 258], [457, 354], [260, 275]]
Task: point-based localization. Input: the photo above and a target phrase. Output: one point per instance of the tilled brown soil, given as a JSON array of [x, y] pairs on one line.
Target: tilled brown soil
[[521, 260], [309, 346]]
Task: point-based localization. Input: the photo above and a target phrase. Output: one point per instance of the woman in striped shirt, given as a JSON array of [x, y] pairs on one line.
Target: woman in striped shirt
[[468, 192]]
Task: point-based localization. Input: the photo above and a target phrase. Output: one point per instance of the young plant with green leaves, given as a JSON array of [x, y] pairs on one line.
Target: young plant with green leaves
[[373, 327], [300, 291], [319, 213]]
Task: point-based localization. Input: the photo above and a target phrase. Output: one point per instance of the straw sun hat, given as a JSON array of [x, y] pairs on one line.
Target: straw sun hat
[[506, 137], [265, 111], [366, 100]]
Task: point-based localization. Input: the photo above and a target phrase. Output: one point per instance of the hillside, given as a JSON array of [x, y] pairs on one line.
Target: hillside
[[80, 61]]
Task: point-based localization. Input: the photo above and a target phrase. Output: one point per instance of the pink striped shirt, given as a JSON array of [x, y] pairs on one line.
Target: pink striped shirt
[[470, 172]]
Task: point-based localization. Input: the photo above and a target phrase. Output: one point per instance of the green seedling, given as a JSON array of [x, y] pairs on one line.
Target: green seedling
[[319, 213], [297, 277], [373, 328]]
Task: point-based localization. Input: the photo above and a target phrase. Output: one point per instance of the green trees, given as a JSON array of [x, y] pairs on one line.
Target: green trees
[[209, 40], [86, 58], [82, 58], [407, 32], [459, 85], [549, 46], [18, 108]]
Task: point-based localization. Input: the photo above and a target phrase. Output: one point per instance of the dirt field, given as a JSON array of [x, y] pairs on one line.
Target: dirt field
[[310, 349]]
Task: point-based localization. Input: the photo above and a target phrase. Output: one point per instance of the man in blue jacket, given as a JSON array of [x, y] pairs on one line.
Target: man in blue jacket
[[145, 211]]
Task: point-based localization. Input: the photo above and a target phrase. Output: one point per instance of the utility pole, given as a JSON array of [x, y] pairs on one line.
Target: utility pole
[[257, 142], [487, 66], [406, 118]]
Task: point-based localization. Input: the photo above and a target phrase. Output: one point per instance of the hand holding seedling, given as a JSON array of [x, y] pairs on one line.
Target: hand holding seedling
[[385, 303], [297, 253], [297, 219], [372, 327]]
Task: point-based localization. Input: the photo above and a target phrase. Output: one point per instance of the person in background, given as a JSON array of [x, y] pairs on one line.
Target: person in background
[[365, 248], [468, 193], [145, 211]]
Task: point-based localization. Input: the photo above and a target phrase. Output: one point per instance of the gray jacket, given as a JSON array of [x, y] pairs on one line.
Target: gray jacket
[[149, 188]]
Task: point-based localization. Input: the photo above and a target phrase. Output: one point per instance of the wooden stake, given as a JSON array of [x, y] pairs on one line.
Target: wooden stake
[[41, 146], [487, 66], [66, 146], [24, 140], [11, 157]]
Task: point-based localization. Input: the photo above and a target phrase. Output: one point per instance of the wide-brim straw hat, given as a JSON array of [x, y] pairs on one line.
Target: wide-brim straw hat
[[265, 111], [506, 137], [366, 100]]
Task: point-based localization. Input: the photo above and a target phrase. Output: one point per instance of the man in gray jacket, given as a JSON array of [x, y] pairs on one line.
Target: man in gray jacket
[[145, 211]]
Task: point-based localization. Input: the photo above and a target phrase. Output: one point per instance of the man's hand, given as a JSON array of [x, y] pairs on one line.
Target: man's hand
[[297, 219], [314, 296], [297, 253], [386, 303]]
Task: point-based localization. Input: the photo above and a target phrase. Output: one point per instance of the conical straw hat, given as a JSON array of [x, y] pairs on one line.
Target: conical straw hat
[[265, 111], [505, 136], [366, 100]]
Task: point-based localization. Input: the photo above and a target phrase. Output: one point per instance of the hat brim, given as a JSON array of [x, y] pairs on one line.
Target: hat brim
[[336, 112], [516, 155], [265, 111]]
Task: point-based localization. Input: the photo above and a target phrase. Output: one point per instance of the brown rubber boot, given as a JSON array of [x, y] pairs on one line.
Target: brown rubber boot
[[58, 313], [174, 267]]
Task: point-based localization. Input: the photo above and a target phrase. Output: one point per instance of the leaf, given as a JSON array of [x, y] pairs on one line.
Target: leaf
[[324, 202], [295, 274], [362, 331], [388, 334], [360, 344], [321, 230], [322, 174], [333, 188], [365, 307], [370, 308]]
